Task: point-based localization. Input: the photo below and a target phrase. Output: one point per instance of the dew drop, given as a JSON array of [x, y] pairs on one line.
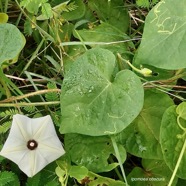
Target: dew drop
[[91, 88]]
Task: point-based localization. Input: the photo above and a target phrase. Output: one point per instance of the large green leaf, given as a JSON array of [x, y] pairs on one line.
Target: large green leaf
[[112, 12], [154, 173], [95, 100], [106, 33], [141, 138], [172, 138], [11, 42], [92, 152], [163, 43]]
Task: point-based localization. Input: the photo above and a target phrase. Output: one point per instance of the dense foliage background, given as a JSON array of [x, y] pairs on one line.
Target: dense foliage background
[[111, 74]]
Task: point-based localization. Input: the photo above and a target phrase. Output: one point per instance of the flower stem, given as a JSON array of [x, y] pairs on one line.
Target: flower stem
[[144, 71]]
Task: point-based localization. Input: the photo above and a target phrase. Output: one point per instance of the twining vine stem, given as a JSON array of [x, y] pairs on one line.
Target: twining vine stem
[[177, 164]]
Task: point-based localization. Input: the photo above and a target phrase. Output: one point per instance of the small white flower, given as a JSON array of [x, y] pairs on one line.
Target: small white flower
[[32, 143]]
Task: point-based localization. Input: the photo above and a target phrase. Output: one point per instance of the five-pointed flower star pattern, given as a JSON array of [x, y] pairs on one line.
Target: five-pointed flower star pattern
[[32, 143]]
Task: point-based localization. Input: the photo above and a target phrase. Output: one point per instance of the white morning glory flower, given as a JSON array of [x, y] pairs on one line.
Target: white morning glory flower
[[32, 143]]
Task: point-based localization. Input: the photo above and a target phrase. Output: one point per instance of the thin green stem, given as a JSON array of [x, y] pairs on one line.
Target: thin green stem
[[4, 83], [116, 170], [34, 55], [144, 71], [81, 40], [162, 89], [177, 164], [11, 86], [96, 43], [8, 94], [18, 19], [61, 59], [118, 173], [179, 124], [35, 87], [6, 6], [44, 78], [175, 78], [133, 67], [119, 158], [180, 71]]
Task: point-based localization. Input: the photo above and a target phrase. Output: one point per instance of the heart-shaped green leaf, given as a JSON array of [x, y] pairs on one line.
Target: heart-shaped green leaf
[[95, 99], [141, 138], [12, 42], [172, 139], [163, 43], [92, 152]]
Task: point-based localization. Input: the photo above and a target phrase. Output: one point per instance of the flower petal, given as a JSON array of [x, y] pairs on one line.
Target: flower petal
[[51, 150], [46, 129], [20, 127]]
